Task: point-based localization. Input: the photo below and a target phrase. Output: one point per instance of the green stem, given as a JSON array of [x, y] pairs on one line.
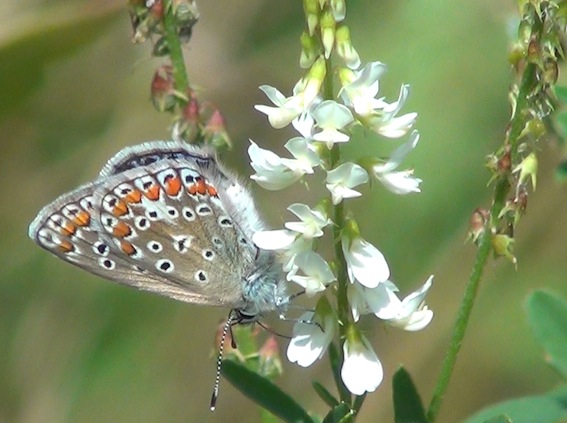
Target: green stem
[[501, 192], [180, 78], [460, 325]]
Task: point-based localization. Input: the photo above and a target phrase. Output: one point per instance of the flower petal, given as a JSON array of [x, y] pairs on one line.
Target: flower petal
[[274, 240], [365, 262], [362, 371], [308, 342]]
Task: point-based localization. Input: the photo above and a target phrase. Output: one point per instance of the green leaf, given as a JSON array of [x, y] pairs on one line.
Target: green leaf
[[499, 419], [547, 408], [407, 403], [547, 315], [340, 414], [325, 395], [264, 393]]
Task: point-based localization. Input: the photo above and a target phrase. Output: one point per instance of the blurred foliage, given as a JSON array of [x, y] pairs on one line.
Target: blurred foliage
[[75, 90]]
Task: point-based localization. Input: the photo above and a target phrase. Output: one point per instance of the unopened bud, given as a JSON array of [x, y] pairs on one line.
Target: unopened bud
[[162, 91], [503, 246], [328, 25], [477, 224], [311, 9], [345, 49], [338, 7], [309, 50], [528, 170]]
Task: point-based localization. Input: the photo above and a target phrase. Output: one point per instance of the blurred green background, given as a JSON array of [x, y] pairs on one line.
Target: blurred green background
[[74, 90]]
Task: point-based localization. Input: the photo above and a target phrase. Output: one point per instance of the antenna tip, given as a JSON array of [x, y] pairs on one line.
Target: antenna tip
[[213, 404]]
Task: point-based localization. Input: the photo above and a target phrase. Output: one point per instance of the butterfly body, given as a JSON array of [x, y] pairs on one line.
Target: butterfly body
[[166, 217]]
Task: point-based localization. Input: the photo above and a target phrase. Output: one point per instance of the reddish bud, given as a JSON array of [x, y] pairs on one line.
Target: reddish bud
[[477, 223], [162, 90]]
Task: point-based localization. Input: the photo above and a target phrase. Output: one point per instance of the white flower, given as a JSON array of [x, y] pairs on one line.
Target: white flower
[[411, 313], [331, 117], [312, 334], [304, 124], [289, 255], [363, 300], [362, 371], [272, 172], [312, 221], [297, 237], [305, 156], [400, 182], [287, 109], [387, 124], [365, 263], [342, 179], [360, 93], [317, 273]]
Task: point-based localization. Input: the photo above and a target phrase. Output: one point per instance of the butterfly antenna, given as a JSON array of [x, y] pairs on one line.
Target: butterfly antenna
[[273, 332], [227, 327]]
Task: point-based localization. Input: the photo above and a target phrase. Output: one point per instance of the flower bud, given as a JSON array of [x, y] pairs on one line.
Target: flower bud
[[503, 246], [345, 48], [328, 25], [309, 50], [338, 7], [311, 9], [477, 224], [162, 91], [528, 170]]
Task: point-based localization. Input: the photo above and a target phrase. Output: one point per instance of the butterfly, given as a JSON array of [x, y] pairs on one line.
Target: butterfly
[[168, 218]]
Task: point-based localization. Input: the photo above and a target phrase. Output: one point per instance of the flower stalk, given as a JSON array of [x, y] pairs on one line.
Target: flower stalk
[[325, 116]]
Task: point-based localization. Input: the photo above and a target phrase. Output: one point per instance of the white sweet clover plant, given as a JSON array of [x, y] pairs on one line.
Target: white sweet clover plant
[[327, 103]]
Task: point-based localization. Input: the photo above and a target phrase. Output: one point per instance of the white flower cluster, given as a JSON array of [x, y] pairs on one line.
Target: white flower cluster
[[323, 123]]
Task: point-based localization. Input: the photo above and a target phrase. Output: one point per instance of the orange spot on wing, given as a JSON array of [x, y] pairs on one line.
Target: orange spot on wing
[[66, 246], [212, 191], [82, 218], [172, 185], [152, 193], [68, 229], [120, 209], [133, 197], [121, 230], [127, 248], [201, 186]]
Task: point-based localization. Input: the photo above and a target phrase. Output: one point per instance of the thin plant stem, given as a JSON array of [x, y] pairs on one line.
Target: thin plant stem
[[180, 78], [460, 326], [501, 192]]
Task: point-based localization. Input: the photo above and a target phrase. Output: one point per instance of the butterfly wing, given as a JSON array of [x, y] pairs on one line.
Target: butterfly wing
[[169, 220], [76, 228]]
